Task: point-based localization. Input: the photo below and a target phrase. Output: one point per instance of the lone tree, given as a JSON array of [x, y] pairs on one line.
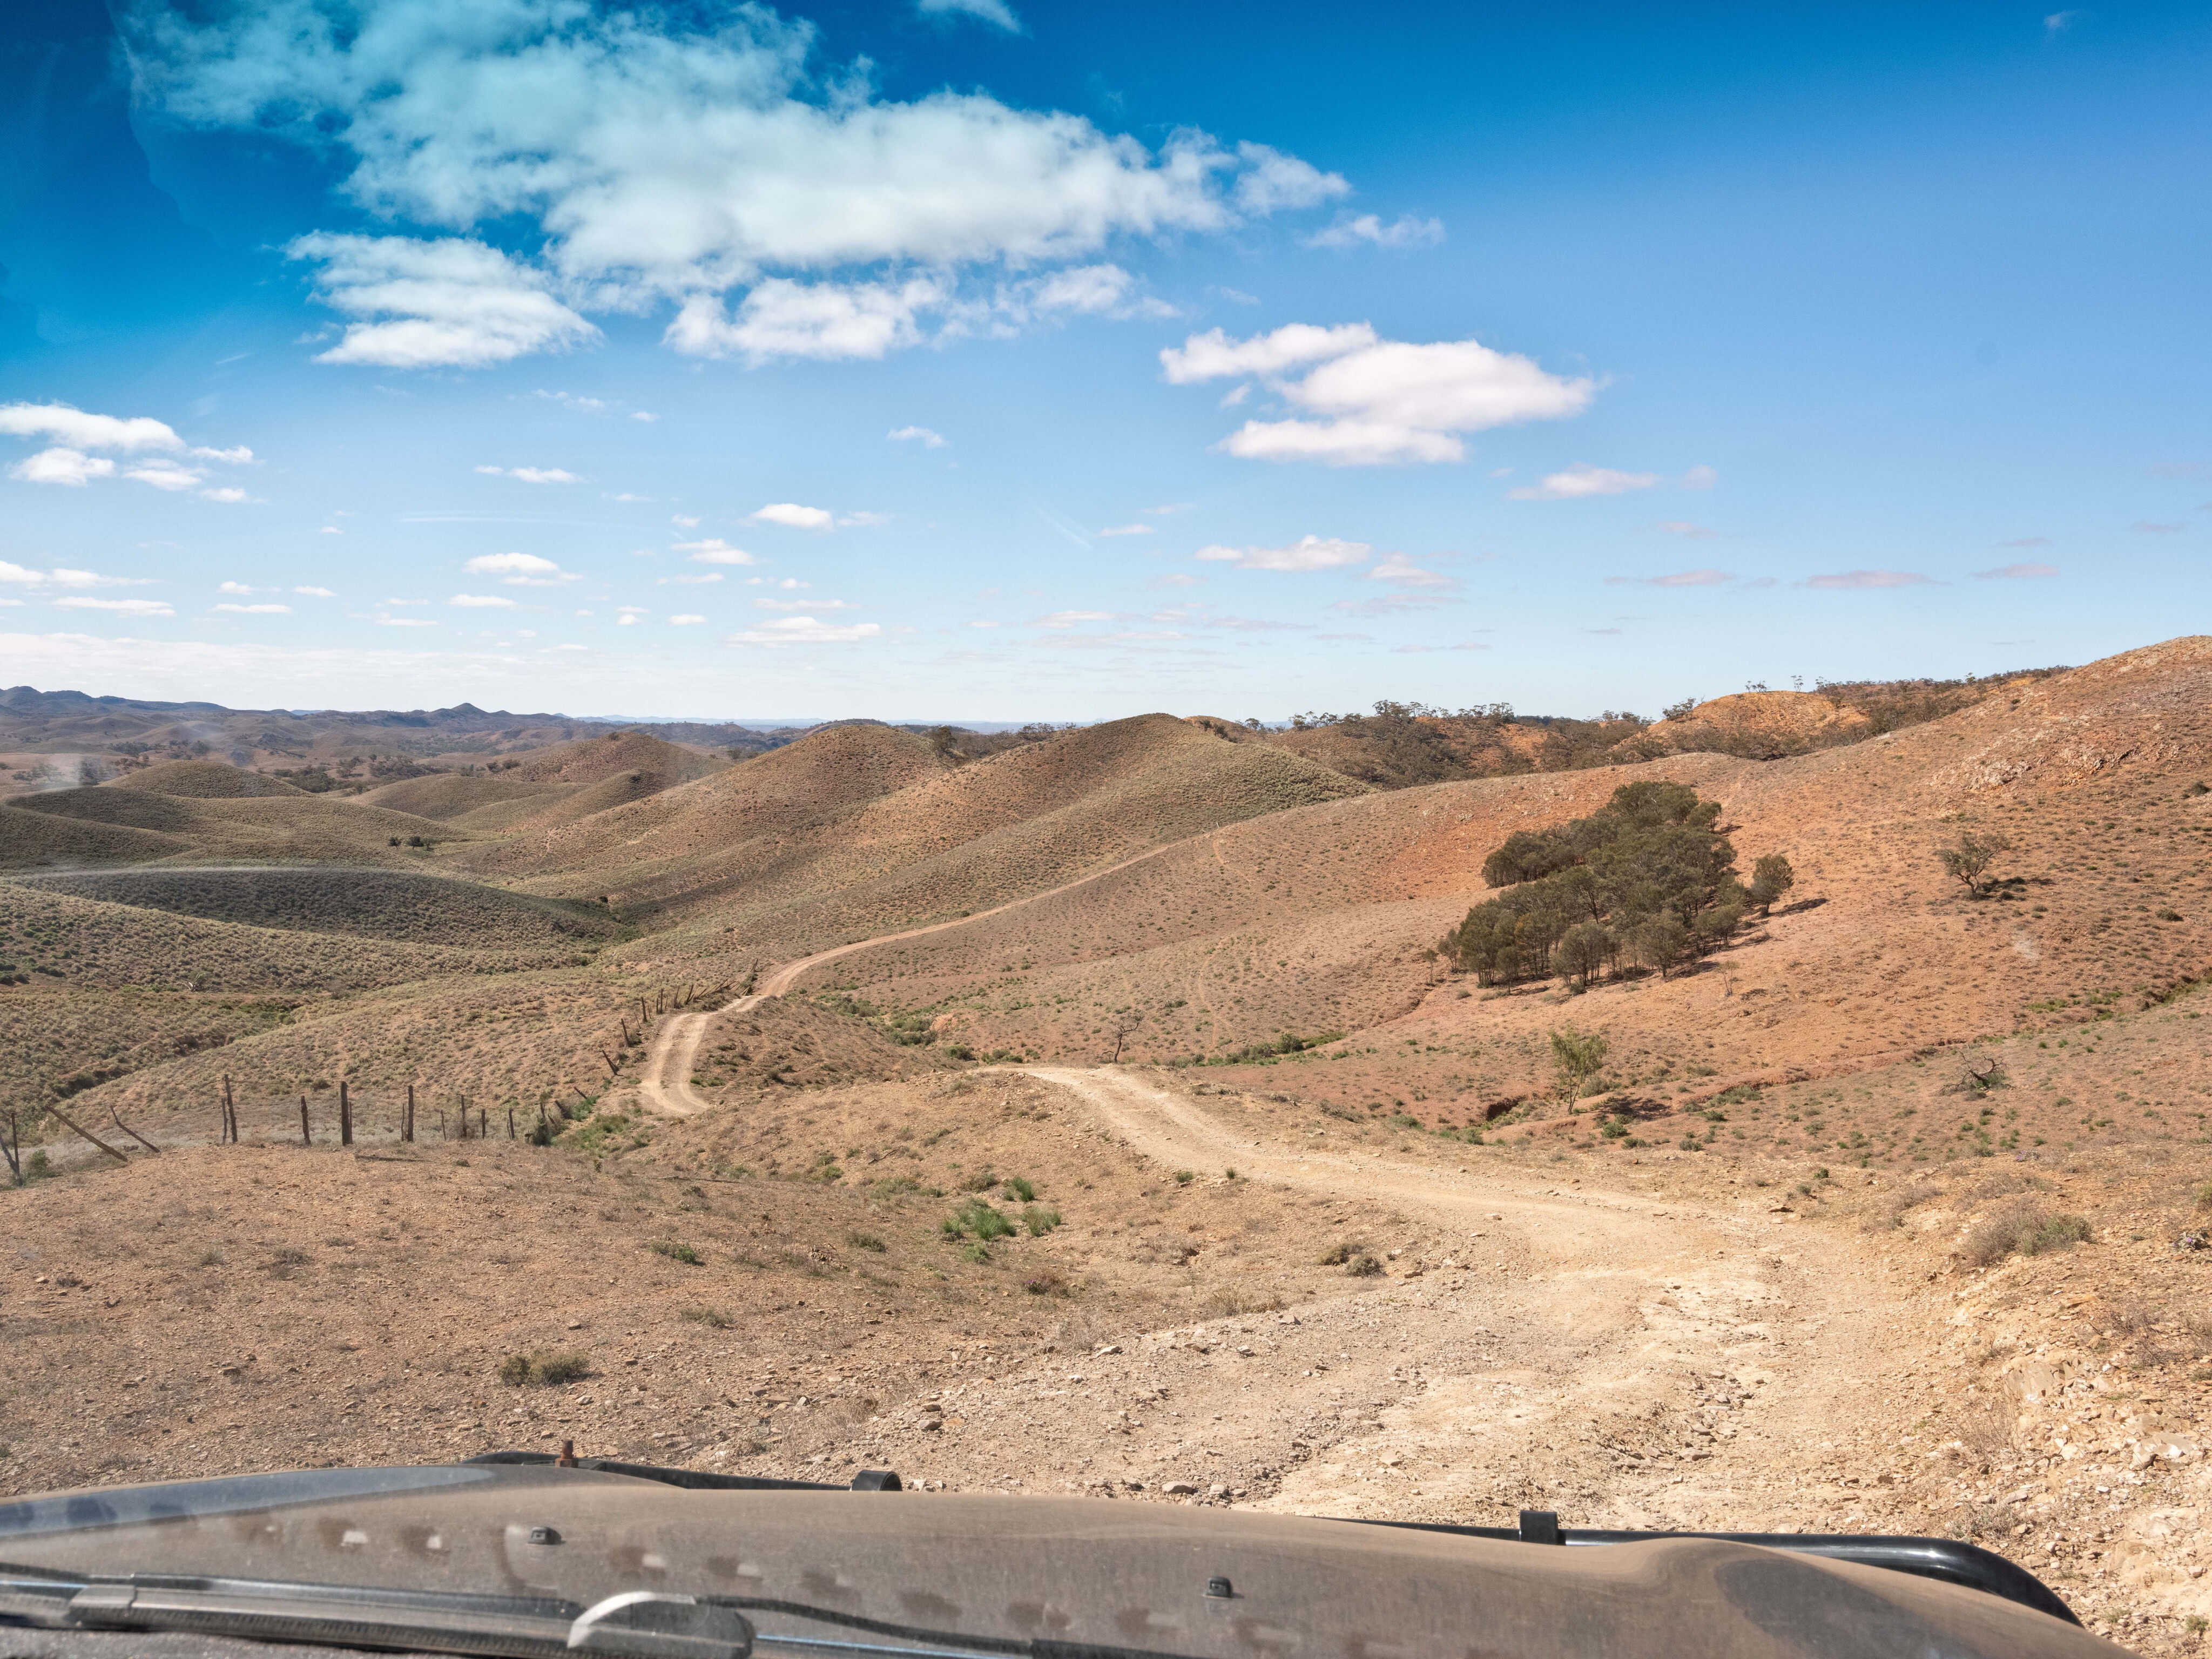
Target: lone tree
[[1770, 878], [1970, 860], [1577, 1056]]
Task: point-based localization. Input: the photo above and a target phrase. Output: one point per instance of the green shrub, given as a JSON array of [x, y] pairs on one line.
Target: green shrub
[[1040, 1221], [1184, 1177], [1970, 857], [676, 1252], [2023, 1228], [713, 1318], [1018, 1189], [861, 1241], [546, 1367], [976, 1218]]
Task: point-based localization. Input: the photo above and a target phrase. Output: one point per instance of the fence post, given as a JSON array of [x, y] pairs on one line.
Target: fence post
[[510, 1123], [442, 1135], [483, 1123], [407, 1125], [346, 1116], [306, 1139], [229, 1111]]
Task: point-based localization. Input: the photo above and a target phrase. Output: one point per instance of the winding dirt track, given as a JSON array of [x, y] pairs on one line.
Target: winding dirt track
[[1612, 1316], [665, 1083]]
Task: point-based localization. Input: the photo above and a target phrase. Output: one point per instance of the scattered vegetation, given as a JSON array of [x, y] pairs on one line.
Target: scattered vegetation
[[2023, 1227], [546, 1367], [677, 1251]]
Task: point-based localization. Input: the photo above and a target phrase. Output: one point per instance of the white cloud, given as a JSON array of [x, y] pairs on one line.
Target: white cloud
[[715, 550], [164, 475], [689, 579], [1069, 618], [2016, 572], [1272, 181], [572, 400], [329, 529], [984, 624], [1582, 480], [989, 11], [1163, 511], [124, 607], [667, 156], [919, 434], [1678, 579], [257, 610], [690, 523], [793, 516], [520, 570], [1700, 477], [403, 622], [804, 630], [1864, 579], [644, 415], [629, 619], [1398, 568], [62, 467], [451, 302], [63, 576], [1093, 291], [483, 601], [536, 475], [1213, 356], [241, 456], [1405, 231], [686, 621], [1307, 553], [316, 593], [241, 588], [1130, 530], [802, 605], [227, 495], [2058, 22], [407, 602], [1384, 401], [77, 428]]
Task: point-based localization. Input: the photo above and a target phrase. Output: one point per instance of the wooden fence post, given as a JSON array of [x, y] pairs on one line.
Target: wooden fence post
[[346, 1116], [229, 1111], [55, 1111], [441, 1124], [306, 1139], [407, 1124], [510, 1123]]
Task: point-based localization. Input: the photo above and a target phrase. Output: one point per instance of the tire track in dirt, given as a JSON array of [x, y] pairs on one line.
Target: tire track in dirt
[[1619, 1317]]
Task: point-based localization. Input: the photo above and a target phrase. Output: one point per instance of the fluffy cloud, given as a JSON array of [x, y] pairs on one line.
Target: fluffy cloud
[[241, 588], [783, 319], [1865, 579], [1130, 530], [2016, 572], [77, 431], [1307, 553], [687, 619], [1678, 579], [663, 159], [917, 434], [124, 607], [1069, 618], [536, 475], [483, 601], [1382, 402], [257, 610], [715, 550], [804, 630], [63, 466], [990, 11], [1405, 231], [1407, 573], [449, 303], [1582, 480], [316, 593], [520, 570], [77, 428], [793, 516], [63, 576]]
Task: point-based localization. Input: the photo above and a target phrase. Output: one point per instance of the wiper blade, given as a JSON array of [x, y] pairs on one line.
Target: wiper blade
[[635, 1625]]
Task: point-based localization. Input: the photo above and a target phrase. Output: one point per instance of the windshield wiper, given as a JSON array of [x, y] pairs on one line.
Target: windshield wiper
[[634, 1624]]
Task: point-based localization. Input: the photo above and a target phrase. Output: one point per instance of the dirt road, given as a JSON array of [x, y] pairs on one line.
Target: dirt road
[[1664, 1363]]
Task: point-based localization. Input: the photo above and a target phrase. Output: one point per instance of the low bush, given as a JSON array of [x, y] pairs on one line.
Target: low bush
[[676, 1252], [546, 1367], [861, 1241], [713, 1318], [2024, 1228], [976, 1219], [1040, 1219]]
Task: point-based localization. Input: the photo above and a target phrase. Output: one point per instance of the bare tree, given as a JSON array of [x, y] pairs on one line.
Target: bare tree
[[1969, 860]]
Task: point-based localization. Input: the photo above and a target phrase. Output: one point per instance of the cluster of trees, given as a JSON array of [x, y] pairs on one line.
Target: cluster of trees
[[1646, 881]]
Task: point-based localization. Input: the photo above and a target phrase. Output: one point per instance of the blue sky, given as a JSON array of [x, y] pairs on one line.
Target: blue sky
[[983, 358]]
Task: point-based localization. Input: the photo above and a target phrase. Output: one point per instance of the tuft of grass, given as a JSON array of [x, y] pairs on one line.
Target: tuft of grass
[[546, 1367], [1016, 1189], [861, 1241], [2022, 1228], [1184, 1177], [1040, 1221], [976, 1218], [677, 1251], [713, 1318], [1363, 1266], [1045, 1282]]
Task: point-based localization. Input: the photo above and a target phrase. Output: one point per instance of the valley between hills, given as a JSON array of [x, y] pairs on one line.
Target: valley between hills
[[1095, 1111]]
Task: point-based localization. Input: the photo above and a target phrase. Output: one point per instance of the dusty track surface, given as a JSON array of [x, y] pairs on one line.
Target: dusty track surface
[[665, 1083], [1676, 1363]]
